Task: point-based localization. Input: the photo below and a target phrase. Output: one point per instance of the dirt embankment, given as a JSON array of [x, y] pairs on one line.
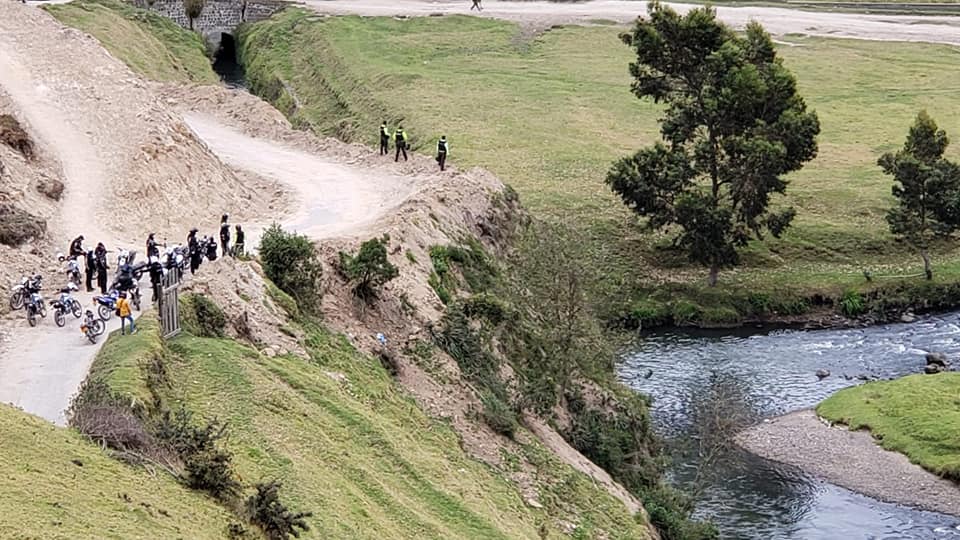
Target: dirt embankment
[[850, 459]]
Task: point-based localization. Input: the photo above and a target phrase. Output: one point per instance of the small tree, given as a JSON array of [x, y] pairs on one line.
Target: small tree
[[275, 520], [291, 262], [193, 9], [369, 268], [734, 124], [926, 185]]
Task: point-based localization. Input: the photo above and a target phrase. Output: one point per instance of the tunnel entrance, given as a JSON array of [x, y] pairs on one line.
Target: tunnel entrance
[[227, 65]]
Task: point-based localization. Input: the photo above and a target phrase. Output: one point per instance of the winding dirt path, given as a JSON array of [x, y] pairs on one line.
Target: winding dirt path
[[778, 21]]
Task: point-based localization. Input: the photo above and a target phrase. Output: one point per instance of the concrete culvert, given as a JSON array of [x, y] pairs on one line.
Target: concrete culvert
[[18, 226], [13, 135]]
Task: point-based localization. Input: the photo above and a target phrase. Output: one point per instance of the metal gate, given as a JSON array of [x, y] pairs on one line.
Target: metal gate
[[169, 304]]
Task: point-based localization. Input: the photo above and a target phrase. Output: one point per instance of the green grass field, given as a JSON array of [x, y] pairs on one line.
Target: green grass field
[[56, 484], [149, 44], [918, 415], [550, 115]]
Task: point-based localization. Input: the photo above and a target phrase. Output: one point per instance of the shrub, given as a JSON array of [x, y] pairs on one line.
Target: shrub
[[685, 312], [851, 303], [291, 262], [277, 522], [442, 293], [369, 268], [210, 318], [649, 313], [498, 415], [112, 426], [669, 512], [488, 307], [207, 466]]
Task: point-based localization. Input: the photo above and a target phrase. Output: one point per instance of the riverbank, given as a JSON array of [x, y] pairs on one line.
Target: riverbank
[[850, 459]]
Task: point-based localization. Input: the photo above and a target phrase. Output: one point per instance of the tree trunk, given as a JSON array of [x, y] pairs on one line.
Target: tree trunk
[[927, 271], [191, 23], [714, 274]]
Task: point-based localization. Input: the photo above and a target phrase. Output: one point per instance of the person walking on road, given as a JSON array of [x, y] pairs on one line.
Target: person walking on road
[[225, 235], [100, 261], [476, 4], [400, 139], [442, 149], [238, 242], [125, 313], [384, 139]]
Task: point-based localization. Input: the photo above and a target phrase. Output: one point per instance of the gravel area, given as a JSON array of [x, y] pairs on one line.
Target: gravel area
[[850, 459]]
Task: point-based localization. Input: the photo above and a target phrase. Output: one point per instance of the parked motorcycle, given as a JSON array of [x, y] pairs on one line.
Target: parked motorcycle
[[106, 304], [65, 303], [73, 272], [36, 308], [18, 294], [91, 327]]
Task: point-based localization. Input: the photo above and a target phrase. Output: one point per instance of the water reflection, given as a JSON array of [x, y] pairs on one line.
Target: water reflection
[[705, 381]]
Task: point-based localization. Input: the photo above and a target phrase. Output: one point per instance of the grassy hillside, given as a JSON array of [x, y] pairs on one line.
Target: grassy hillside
[[151, 45], [915, 415], [58, 485], [347, 442], [550, 115]]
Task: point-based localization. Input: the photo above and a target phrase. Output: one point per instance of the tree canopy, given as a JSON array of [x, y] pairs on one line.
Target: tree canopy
[[926, 185], [733, 125]]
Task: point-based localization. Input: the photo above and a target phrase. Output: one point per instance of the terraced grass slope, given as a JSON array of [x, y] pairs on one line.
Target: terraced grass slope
[[549, 115], [56, 484], [917, 415], [149, 44]]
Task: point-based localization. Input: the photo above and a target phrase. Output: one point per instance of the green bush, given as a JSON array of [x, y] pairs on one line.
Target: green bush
[[851, 304], [207, 467], [669, 512], [498, 415], [210, 318], [649, 313], [291, 262], [277, 522], [442, 293], [488, 307], [369, 268], [685, 312]]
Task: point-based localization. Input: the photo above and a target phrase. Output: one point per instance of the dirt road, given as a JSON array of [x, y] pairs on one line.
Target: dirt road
[[778, 21]]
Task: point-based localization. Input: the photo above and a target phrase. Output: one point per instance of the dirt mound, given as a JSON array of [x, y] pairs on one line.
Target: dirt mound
[[253, 314], [17, 225]]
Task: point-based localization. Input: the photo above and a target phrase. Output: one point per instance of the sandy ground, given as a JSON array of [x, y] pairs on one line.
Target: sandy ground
[[778, 21], [850, 459]]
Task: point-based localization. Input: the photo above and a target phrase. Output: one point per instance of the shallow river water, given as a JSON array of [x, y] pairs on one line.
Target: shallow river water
[[774, 373]]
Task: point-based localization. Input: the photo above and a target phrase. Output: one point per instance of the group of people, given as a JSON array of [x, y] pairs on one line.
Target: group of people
[[400, 142]]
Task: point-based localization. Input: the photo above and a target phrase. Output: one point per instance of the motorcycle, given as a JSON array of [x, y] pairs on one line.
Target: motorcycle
[[106, 304], [125, 257], [35, 308], [91, 327], [65, 303], [73, 272], [18, 294]]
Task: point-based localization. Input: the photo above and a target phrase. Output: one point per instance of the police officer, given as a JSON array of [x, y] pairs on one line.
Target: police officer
[[384, 139], [194, 248], [442, 151], [100, 262], [400, 139], [91, 269]]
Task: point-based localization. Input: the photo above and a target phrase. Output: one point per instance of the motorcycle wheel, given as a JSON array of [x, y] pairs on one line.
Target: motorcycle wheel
[[16, 300], [31, 317], [59, 318], [76, 309], [42, 308], [104, 312], [98, 327], [136, 299], [92, 337]]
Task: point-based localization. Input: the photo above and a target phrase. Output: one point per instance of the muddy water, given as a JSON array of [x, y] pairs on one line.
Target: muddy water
[[770, 374]]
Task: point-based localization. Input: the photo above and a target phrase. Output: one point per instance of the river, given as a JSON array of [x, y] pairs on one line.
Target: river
[[765, 375]]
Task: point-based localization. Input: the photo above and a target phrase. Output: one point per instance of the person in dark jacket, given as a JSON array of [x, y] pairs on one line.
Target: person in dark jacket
[[90, 268], [225, 235], [384, 139], [156, 272], [194, 248], [442, 151], [238, 242], [152, 249], [76, 247], [400, 140], [100, 262]]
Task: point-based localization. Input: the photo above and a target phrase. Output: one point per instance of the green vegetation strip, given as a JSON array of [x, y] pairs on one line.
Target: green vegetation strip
[[917, 415], [150, 44]]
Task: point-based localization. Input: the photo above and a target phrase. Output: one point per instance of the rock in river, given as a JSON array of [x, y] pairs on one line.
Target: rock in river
[[937, 359], [823, 374]]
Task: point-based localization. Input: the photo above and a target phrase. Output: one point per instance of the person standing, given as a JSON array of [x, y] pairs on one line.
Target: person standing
[[442, 149], [384, 139], [476, 4], [238, 242], [100, 261], [91, 269], [125, 313], [156, 272], [193, 247], [76, 247], [400, 140], [225, 235], [152, 249]]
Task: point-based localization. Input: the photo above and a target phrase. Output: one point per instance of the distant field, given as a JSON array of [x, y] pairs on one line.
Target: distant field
[[550, 115], [151, 45]]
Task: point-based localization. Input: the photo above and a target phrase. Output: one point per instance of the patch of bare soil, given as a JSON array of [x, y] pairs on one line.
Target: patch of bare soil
[[851, 459]]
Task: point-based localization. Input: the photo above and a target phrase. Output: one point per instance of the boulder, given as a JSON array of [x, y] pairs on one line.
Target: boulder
[[908, 317], [937, 359], [822, 374], [932, 369]]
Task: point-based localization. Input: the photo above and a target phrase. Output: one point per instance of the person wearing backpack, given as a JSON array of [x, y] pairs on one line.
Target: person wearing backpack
[[125, 313]]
